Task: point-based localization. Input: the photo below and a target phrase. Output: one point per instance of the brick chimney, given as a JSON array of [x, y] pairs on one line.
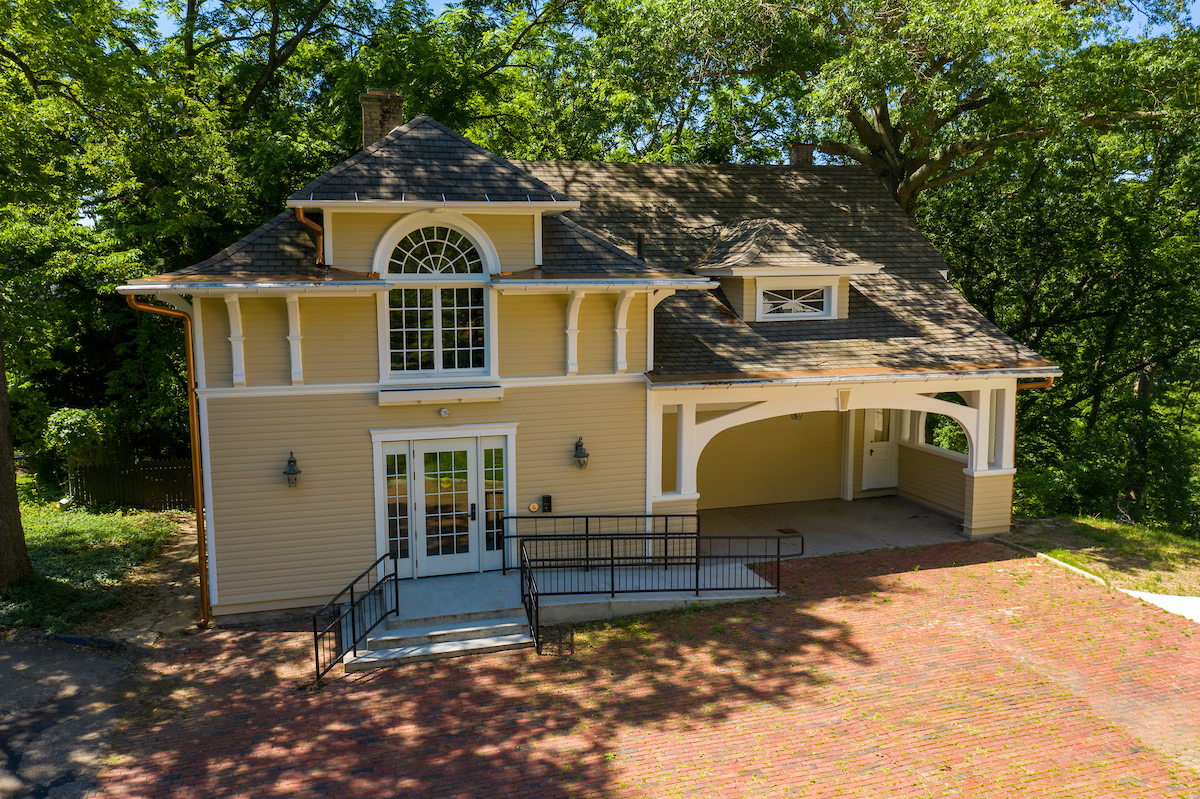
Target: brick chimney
[[382, 110], [801, 153]]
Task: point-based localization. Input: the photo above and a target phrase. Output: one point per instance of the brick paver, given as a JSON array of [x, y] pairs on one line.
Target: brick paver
[[956, 670]]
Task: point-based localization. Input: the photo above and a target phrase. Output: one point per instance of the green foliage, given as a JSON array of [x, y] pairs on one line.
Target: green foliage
[[76, 433], [80, 559]]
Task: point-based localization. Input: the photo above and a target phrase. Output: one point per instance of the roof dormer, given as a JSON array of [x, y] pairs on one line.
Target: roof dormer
[[776, 271]]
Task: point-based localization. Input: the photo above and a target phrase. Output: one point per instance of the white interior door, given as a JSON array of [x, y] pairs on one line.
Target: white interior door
[[881, 453], [446, 517]]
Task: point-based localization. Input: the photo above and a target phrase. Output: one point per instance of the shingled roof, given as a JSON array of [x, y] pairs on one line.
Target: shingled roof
[[903, 318], [769, 244], [425, 161]]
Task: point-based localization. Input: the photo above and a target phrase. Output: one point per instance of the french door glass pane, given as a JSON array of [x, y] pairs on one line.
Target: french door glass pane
[[447, 503], [493, 498], [397, 505]]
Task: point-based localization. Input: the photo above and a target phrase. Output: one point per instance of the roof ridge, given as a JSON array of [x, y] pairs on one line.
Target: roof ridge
[[394, 135], [498, 159]]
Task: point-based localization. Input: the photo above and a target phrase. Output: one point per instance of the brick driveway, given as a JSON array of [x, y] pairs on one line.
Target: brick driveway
[[952, 670]]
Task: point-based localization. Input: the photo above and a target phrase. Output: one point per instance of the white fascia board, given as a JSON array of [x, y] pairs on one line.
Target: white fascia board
[[209, 289], [546, 207], [598, 286], [795, 271], [1033, 371]]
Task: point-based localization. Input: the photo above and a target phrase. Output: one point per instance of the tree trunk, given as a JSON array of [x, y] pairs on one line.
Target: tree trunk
[[14, 556], [1139, 444]]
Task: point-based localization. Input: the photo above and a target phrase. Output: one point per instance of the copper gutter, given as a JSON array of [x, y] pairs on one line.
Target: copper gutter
[[194, 425], [320, 231], [1049, 381]]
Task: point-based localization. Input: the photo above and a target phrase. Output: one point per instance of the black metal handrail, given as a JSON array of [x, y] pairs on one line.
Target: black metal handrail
[[598, 524], [617, 564], [352, 615], [530, 598]]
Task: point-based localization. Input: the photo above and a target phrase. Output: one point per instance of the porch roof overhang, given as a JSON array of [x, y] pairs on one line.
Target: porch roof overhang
[[865, 375]]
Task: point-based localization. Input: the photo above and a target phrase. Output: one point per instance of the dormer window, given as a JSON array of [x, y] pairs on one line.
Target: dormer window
[[435, 250], [781, 298], [438, 314]]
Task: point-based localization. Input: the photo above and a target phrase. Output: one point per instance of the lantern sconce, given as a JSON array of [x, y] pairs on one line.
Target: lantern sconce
[[581, 454], [291, 472]]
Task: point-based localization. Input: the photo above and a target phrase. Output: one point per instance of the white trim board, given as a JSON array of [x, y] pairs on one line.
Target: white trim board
[[426, 433]]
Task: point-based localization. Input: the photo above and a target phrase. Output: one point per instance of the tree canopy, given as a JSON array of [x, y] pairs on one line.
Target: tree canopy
[[1047, 149]]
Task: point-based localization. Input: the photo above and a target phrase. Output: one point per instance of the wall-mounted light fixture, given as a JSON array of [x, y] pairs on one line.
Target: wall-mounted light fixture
[[291, 472], [581, 454]]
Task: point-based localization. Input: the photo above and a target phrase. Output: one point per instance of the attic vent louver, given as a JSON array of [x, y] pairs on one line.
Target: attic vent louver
[[382, 110]]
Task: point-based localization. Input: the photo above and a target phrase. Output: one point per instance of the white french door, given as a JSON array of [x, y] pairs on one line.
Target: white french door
[[445, 501], [446, 517], [881, 453]]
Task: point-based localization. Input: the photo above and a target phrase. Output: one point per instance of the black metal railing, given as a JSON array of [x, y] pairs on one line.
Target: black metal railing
[[576, 555], [530, 599], [346, 620]]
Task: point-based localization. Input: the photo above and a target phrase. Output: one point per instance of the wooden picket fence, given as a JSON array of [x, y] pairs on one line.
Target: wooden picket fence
[[154, 485]]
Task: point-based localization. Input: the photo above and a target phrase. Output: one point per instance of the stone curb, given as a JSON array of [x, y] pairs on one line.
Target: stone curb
[[1043, 556]]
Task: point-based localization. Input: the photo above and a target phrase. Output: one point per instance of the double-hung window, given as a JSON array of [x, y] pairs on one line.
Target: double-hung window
[[437, 313]]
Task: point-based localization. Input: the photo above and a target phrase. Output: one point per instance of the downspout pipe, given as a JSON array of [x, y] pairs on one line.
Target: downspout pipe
[[1047, 383], [194, 426], [315, 228]]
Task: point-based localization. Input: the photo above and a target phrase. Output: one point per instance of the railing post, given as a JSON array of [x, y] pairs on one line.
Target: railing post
[[353, 626], [396, 582], [587, 543], [612, 567], [778, 582], [317, 647], [696, 558]]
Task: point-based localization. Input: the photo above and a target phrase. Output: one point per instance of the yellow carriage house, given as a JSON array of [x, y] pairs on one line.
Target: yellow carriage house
[[443, 340]]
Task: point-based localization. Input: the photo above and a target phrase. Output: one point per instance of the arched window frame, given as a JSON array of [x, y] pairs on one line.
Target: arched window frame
[[399, 280]]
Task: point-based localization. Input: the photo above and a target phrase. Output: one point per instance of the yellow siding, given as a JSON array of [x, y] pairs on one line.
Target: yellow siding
[[340, 341], [532, 341], [278, 547], [267, 353], [932, 479], [512, 236], [218, 360], [773, 460], [597, 334], [675, 506], [741, 294], [635, 339], [670, 430], [988, 501], [355, 237]]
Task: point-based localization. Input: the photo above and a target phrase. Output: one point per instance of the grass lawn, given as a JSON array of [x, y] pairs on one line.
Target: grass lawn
[[1125, 555], [81, 559]]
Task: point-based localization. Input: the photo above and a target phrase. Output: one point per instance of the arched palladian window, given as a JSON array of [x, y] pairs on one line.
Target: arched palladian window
[[435, 250], [437, 310]]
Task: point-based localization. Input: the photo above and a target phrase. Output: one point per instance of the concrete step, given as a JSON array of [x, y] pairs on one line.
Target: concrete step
[[395, 623], [374, 659], [450, 631]]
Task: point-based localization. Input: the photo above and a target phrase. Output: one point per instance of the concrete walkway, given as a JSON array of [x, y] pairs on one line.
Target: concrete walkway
[[832, 526], [1186, 606]]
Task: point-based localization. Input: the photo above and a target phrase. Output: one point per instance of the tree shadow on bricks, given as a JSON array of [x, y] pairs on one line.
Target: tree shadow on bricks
[[236, 713]]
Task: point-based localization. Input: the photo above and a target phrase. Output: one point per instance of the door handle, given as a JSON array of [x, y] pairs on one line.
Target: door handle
[[872, 452], [472, 511]]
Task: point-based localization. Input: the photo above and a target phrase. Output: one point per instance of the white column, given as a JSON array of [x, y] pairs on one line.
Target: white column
[[621, 329], [294, 337], [654, 446], [1005, 414], [981, 447], [573, 332], [685, 449], [236, 340]]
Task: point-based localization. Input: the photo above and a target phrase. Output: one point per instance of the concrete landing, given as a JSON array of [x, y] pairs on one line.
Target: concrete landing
[[832, 526]]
